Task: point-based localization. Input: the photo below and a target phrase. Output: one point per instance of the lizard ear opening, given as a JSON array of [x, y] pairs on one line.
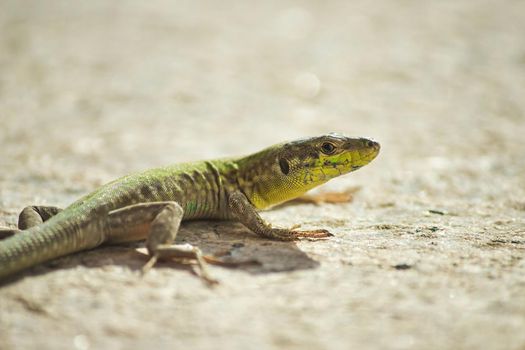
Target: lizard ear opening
[[285, 167]]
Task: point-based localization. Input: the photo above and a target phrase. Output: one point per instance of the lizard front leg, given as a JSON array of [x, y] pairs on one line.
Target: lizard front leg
[[30, 216], [159, 223], [245, 212]]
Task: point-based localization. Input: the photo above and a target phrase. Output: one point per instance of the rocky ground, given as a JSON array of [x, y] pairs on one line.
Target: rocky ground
[[428, 255]]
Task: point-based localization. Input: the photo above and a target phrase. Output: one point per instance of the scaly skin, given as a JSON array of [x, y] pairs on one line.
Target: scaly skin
[[152, 204]]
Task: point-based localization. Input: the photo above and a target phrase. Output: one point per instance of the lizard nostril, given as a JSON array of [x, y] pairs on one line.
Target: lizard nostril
[[370, 143]]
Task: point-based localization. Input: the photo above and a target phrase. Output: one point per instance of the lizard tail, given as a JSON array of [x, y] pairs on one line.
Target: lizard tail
[[54, 238]]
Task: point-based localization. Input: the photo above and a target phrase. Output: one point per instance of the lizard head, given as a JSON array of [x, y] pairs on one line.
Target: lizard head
[[285, 171]]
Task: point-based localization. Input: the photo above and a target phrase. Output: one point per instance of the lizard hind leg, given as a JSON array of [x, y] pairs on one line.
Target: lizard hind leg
[[158, 223], [30, 216], [35, 215]]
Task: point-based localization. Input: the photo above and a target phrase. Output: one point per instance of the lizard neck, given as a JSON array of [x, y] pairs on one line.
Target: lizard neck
[[263, 180]]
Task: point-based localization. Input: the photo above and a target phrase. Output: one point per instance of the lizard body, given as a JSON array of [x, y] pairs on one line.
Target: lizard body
[[150, 205]]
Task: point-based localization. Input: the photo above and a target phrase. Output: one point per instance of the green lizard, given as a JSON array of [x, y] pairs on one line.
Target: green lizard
[[151, 205]]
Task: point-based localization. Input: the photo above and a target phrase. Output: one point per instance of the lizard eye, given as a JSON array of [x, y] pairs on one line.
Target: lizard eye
[[327, 148], [285, 167]]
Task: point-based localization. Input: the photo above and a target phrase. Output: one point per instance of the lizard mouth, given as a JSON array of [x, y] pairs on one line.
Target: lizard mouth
[[346, 162]]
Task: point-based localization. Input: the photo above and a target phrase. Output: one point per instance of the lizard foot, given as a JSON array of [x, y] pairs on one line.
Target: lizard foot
[[181, 251], [313, 234], [292, 235]]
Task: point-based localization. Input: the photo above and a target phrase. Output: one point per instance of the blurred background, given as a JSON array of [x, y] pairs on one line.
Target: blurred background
[[181, 80], [91, 90]]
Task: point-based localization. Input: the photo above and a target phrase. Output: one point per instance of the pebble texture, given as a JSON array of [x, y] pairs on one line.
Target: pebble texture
[[430, 254]]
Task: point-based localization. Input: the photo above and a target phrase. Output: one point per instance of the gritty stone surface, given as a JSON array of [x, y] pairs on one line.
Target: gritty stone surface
[[428, 255]]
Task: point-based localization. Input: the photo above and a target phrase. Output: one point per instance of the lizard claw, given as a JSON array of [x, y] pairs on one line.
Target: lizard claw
[[315, 234], [151, 262]]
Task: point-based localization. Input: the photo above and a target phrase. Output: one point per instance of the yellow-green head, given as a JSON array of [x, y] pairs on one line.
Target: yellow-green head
[[286, 171]]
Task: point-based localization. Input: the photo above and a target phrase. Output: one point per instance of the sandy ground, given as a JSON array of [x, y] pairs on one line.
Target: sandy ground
[[428, 255]]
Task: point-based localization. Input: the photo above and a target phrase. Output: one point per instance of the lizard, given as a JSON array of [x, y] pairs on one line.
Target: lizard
[[151, 204]]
